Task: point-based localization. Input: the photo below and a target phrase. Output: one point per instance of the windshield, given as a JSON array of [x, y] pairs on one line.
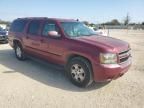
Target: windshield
[[76, 29], [2, 30]]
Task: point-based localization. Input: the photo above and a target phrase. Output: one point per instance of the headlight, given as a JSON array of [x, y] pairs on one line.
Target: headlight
[[108, 58]]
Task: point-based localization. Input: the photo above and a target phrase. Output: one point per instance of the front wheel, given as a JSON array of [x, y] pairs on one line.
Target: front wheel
[[19, 52], [79, 72]]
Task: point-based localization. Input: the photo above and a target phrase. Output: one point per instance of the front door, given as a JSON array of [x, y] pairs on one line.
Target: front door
[[53, 48]]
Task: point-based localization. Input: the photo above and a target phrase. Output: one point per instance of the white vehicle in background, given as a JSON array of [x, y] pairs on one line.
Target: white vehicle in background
[[3, 35], [103, 32]]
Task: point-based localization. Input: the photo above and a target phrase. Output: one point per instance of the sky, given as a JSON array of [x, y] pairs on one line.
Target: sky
[[96, 11]]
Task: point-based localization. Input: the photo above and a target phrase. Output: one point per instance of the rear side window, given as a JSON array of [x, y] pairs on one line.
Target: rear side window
[[34, 27], [18, 26]]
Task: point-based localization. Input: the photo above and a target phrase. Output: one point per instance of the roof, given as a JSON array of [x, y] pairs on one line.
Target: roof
[[46, 18]]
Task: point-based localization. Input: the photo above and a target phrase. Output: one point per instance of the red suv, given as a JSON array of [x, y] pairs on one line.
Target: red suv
[[86, 56]]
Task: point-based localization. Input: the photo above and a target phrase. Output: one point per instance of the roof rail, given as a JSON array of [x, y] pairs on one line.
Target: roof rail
[[33, 18]]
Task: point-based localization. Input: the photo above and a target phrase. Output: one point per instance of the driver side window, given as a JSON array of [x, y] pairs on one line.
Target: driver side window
[[49, 27]]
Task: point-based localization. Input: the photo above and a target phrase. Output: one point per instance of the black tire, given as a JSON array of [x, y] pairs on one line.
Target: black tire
[[85, 79], [19, 55]]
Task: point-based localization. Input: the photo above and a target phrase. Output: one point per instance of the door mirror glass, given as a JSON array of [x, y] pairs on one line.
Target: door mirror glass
[[53, 34]]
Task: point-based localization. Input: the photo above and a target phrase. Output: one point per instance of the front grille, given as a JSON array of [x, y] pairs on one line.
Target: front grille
[[124, 59], [3, 37], [123, 52], [124, 56]]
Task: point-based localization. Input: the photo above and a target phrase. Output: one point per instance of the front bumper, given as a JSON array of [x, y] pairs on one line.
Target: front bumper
[[108, 72], [3, 38]]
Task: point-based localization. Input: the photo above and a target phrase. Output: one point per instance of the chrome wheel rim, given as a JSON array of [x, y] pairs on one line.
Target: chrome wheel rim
[[18, 52], [77, 73]]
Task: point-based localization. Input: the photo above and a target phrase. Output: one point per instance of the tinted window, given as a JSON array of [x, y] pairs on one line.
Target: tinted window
[[34, 27], [18, 25], [49, 27]]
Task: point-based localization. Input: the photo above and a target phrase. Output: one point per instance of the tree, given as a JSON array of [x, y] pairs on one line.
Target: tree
[[112, 22], [4, 22], [127, 19], [115, 22], [86, 23], [92, 25], [142, 23]]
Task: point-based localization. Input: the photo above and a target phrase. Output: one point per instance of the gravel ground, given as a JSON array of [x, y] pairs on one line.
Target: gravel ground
[[31, 84]]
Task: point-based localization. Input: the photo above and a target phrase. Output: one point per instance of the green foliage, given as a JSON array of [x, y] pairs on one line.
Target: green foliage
[[92, 25], [86, 23], [5, 22], [112, 22], [89, 24]]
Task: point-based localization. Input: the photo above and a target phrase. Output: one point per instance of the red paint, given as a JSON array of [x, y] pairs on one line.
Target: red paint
[[58, 50]]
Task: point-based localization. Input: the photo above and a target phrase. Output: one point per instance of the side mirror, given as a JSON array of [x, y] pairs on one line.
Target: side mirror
[[54, 34]]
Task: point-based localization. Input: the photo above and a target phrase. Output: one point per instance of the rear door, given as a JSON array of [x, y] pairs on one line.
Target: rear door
[[33, 37]]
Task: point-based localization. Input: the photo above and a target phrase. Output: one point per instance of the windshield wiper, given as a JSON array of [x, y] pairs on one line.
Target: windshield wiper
[[89, 35]]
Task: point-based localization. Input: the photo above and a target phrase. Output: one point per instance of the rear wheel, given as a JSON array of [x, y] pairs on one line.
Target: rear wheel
[[19, 52], [79, 72]]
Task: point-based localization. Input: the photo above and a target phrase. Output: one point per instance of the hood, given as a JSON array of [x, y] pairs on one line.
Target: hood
[[2, 33], [105, 43]]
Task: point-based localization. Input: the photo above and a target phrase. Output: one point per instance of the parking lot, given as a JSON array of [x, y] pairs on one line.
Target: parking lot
[[31, 84]]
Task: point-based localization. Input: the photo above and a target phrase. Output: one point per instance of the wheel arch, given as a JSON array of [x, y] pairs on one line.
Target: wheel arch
[[16, 41], [71, 56]]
